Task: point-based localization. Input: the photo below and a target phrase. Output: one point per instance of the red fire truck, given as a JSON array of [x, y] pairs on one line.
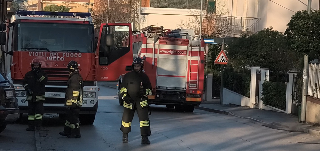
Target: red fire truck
[[174, 62], [55, 38]]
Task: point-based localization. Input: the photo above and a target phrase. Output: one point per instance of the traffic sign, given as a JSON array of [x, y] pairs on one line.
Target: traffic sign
[[209, 41], [222, 58]]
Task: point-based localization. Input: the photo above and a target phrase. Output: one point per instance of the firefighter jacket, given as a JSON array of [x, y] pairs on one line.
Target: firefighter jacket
[[34, 83], [74, 90], [135, 86]]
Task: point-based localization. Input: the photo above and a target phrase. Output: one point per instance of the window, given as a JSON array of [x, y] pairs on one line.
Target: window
[[121, 45], [55, 37]]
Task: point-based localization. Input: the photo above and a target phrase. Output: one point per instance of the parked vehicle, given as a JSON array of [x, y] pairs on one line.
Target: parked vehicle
[[8, 101], [55, 38], [174, 62]]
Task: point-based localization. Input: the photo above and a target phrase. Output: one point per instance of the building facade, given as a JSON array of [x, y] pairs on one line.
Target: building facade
[[256, 15]]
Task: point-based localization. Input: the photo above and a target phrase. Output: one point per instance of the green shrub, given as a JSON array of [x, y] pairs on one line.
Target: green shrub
[[274, 94], [236, 81]]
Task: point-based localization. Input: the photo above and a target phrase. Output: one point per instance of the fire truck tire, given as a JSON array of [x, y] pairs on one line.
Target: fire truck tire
[[189, 108], [87, 119], [3, 127], [179, 108]]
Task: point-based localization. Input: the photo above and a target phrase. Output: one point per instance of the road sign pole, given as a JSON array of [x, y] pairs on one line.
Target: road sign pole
[[222, 84]]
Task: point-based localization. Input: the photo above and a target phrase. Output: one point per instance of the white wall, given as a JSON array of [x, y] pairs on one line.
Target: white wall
[[170, 18], [273, 13], [230, 97]]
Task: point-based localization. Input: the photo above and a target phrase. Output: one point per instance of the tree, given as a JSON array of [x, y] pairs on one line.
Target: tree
[[125, 11], [17, 5], [182, 4], [56, 8], [267, 48], [303, 32]]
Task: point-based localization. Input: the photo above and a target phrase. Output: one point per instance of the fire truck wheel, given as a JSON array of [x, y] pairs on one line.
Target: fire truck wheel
[[179, 108], [87, 119], [189, 108], [3, 127]]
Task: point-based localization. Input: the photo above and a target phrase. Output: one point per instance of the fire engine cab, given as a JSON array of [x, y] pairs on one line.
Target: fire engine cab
[[55, 38]]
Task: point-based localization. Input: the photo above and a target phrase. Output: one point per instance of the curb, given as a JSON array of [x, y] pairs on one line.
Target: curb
[[313, 132], [276, 126]]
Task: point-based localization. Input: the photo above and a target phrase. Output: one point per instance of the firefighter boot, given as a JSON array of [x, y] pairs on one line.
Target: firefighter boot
[[145, 140], [66, 131], [125, 138], [75, 133], [38, 124]]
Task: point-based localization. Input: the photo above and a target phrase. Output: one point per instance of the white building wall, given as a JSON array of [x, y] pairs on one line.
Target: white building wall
[[170, 18], [275, 13]]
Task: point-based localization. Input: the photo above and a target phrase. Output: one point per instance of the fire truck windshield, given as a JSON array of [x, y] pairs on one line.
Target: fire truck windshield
[[54, 37]]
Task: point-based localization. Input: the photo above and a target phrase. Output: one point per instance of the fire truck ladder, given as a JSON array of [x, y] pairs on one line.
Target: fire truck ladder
[[191, 85]]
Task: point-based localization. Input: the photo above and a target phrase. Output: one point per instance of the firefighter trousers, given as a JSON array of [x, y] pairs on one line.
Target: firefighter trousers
[[72, 124], [143, 115], [35, 112]]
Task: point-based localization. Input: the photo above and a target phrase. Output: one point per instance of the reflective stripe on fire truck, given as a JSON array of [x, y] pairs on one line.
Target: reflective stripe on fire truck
[[144, 123], [124, 124]]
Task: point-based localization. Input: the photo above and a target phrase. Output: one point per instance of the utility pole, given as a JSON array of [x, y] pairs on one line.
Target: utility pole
[[309, 6], [108, 13], [222, 68], [200, 24], [305, 79]]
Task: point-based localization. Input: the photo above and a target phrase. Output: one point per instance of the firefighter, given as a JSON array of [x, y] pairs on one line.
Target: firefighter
[[135, 88], [73, 102], [34, 83]]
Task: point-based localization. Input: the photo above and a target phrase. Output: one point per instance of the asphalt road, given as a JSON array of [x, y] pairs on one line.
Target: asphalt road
[[171, 131]]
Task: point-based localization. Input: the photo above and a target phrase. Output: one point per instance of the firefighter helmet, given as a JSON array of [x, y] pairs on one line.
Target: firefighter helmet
[[137, 61], [35, 62], [72, 65]]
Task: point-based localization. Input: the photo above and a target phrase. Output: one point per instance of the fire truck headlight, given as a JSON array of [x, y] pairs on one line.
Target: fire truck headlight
[[21, 93], [89, 94]]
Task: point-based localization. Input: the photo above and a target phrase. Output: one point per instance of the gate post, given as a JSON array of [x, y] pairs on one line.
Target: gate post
[[264, 77], [253, 86], [289, 92]]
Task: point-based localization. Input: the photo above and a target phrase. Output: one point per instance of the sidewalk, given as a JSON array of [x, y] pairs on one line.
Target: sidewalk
[[271, 119]]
